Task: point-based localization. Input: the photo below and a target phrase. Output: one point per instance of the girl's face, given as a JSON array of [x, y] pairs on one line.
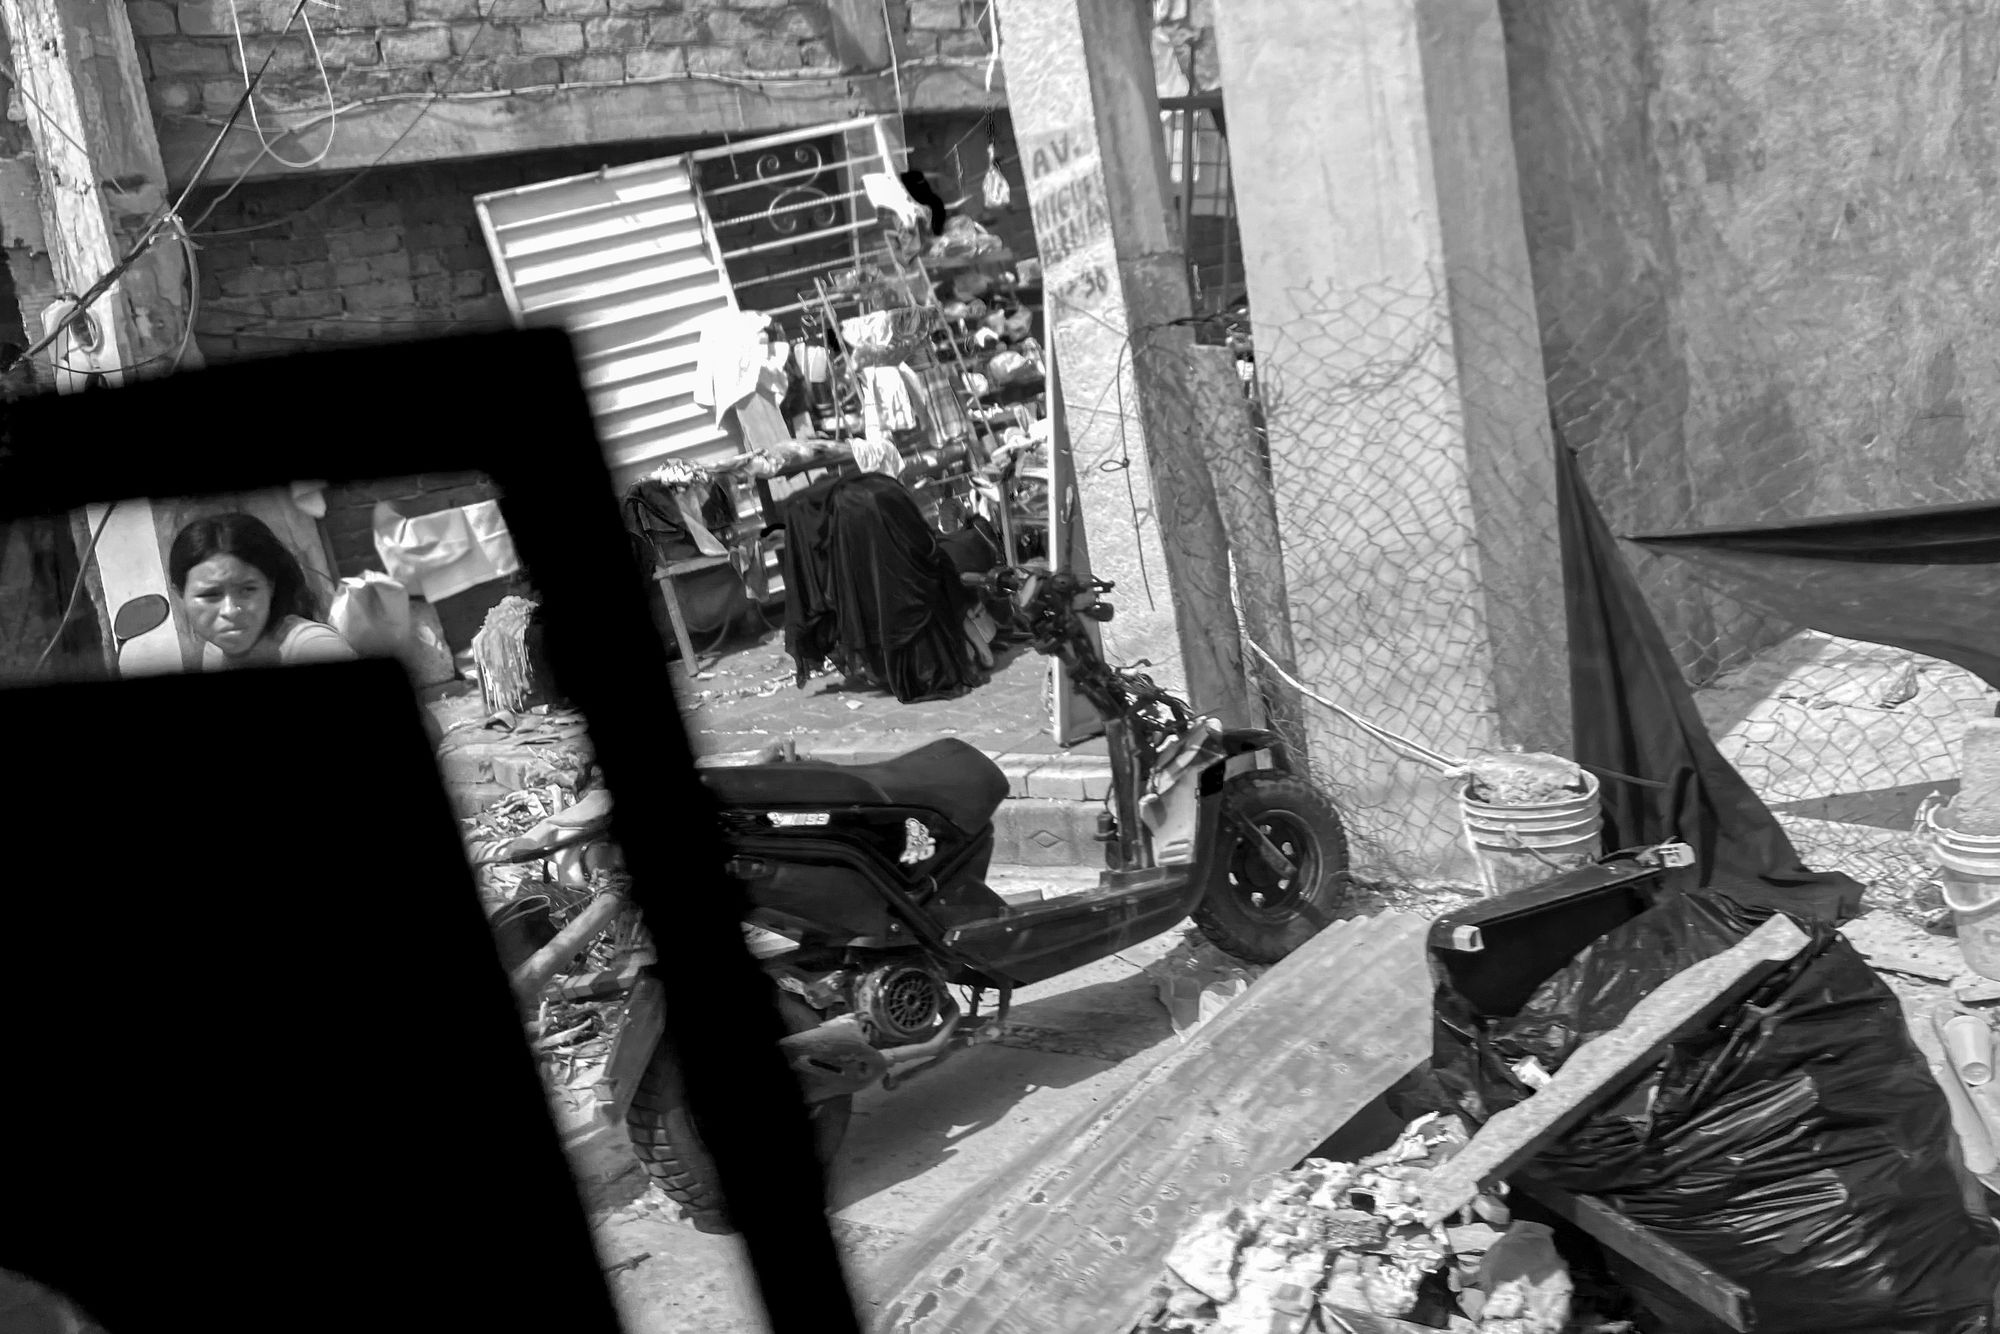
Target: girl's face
[[228, 603]]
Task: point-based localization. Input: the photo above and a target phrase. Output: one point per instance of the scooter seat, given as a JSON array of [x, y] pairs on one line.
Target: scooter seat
[[957, 781]]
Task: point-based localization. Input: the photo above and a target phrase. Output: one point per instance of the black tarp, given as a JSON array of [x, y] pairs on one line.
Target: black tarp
[[1927, 580], [1635, 719]]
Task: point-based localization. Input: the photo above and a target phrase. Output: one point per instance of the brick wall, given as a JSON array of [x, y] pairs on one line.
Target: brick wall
[[394, 48]]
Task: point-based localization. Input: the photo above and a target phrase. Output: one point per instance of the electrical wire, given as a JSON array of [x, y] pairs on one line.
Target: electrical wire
[[437, 95], [76, 593], [325, 80], [152, 230]]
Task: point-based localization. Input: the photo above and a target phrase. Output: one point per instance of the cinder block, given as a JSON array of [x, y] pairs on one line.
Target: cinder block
[[598, 67], [171, 58], [416, 46], [716, 59], [430, 10], [729, 25], [614, 32], [527, 73], [374, 13], [798, 22], [937, 15], [150, 18], [772, 54], [671, 29], [393, 294], [552, 39], [1039, 832]]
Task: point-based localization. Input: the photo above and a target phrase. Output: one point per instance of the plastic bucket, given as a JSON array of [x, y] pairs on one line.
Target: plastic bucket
[[1519, 846], [1971, 866], [521, 928]]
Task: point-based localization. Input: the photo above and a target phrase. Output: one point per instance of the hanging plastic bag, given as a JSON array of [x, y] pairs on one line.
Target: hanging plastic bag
[[1798, 1146], [998, 192], [372, 613]]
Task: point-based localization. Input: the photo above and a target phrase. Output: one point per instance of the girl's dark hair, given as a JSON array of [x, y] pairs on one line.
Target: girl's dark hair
[[247, 538]]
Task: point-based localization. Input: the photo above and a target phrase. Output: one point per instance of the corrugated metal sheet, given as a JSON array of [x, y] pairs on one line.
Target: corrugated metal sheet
[[623, 259]]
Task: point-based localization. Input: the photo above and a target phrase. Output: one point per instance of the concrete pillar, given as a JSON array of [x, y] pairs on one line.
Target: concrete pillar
[[1397, 341], [1087, 121]]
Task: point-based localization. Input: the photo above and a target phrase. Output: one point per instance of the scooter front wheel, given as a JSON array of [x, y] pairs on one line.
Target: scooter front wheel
[[1253, 910], [665, 1141]]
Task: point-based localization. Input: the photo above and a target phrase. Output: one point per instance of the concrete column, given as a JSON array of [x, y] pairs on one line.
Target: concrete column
[[1397, 341], [1087, 121]]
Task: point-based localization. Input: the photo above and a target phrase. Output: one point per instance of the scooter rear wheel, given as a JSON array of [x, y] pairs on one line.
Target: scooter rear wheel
[[1250, 910], [666, 1143]]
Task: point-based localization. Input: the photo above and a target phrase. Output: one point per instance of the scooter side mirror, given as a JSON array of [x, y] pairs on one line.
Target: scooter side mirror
[[140, 616]]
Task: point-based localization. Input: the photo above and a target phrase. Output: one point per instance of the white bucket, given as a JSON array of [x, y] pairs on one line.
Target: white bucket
[[1519, 846], [1971, 865]]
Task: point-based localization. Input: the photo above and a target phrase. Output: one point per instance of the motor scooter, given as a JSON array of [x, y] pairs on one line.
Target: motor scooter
[[870, 902]]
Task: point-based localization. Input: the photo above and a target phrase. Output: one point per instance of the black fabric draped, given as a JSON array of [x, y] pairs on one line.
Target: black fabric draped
[[901, 605], [810, 622], [871, 589], [1927, 580], [1635, 716]]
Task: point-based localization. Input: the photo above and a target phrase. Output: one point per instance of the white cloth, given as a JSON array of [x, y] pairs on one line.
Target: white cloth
[[437, 556], [731, 360], [887, 192], [878, 456], [892, 403]]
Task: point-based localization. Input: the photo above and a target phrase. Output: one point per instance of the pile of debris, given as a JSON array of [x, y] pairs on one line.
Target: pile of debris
[[1524, 778], [1328, 1242]]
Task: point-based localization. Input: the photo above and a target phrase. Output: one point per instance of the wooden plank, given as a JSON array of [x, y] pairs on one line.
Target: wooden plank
[[1073, 1234], [1680, 1005], [1713, 1293]]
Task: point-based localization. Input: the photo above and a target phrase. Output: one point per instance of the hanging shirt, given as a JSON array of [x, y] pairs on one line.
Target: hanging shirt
[[437, 556]]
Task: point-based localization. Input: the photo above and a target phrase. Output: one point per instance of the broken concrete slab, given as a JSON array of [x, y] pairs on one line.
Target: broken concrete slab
[[1073, 1234]]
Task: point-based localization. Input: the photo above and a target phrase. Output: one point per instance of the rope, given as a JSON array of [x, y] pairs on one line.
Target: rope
[[1446, 765]]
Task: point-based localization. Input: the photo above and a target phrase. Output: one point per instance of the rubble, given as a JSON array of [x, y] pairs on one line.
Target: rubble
[[1196, 980], [1527, 778], [1328, 1237]]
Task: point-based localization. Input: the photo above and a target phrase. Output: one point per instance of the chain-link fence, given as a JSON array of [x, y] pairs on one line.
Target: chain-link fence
[[1388, 503]]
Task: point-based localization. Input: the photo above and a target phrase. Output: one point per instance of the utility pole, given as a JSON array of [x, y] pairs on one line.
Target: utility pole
[[1087, 119], [78, 74], [1372, 157]]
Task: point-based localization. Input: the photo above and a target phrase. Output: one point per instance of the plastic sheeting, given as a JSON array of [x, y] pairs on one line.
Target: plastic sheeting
[[1799, 1145], [1637, 727]]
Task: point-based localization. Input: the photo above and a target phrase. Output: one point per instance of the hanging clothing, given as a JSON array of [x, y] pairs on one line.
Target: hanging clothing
[[440, 555], [811, 631], [890, 395], [762, 424], [733, 359]]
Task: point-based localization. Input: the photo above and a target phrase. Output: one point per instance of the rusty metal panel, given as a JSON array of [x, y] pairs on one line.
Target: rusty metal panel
[[1077, 1231]]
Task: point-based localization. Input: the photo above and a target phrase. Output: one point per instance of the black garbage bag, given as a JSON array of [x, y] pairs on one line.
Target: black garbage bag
[[1799, 1146]]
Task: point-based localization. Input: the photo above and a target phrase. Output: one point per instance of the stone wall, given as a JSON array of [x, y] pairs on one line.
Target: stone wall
[[374, 49], [1762, 240]]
